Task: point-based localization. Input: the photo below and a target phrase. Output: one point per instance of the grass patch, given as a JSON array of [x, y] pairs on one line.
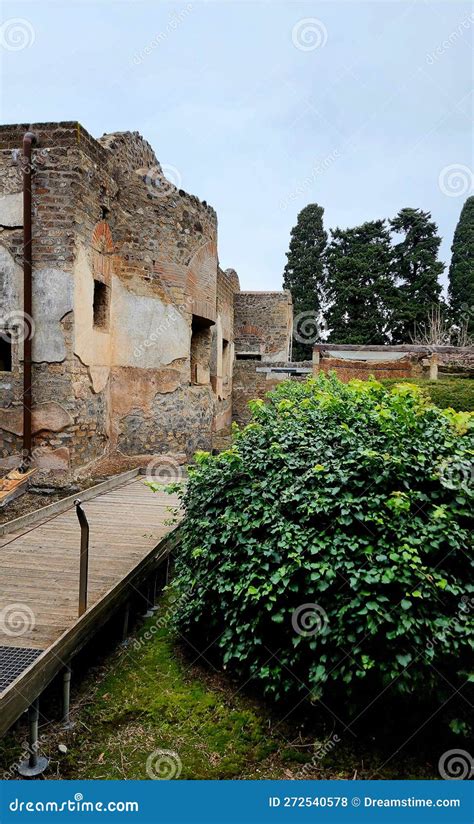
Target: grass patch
[[151, 696], [457, 393]]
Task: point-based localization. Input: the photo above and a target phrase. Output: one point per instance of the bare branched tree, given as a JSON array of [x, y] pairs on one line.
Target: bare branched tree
[[438, 331]]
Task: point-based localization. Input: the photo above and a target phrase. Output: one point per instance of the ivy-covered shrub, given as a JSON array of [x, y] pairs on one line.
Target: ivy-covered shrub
[[328, 549]]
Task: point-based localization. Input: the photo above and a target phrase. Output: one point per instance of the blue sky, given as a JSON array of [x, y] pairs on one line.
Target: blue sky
[[262, 107]]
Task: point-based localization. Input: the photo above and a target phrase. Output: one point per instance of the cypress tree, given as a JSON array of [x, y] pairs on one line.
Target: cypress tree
[[304, 275], [461, 270], [360, 287], [417, 271]]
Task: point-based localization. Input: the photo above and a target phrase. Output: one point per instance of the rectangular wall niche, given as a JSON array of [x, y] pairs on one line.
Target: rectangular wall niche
[[5, 352], [200, 351], [101, 305]]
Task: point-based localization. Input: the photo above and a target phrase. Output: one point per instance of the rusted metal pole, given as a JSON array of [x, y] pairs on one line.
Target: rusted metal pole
[[84, 557], [29, 140]]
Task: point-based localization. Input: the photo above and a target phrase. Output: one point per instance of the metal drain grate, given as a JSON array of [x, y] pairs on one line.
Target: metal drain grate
[[13, 661]]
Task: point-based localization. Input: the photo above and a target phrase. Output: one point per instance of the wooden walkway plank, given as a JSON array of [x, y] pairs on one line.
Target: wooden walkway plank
[[39, 577]]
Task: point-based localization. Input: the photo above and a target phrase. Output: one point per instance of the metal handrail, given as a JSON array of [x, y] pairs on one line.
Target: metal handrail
[[84, 557]]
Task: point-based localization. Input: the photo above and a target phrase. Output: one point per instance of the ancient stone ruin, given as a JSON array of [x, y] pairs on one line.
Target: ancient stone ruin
[[134, 328]]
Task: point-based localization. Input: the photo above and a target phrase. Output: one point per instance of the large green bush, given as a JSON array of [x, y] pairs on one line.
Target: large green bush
[[328, 548]]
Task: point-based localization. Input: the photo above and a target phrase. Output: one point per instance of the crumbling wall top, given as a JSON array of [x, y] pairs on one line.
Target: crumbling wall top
[[131, 151]]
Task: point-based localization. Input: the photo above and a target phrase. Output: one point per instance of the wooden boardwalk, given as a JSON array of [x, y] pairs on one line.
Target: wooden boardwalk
[[39, 581]]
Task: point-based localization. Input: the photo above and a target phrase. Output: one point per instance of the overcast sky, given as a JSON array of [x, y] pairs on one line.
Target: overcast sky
[[262, 107]]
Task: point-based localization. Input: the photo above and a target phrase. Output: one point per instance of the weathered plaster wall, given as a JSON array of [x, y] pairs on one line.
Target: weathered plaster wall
[[102, 211], [133, 348], [54, 418]]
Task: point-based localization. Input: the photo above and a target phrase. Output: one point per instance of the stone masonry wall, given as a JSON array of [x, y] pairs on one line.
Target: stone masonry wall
[[113, 383], [222, 364], [263, 324], [407, 361], [253, 379]]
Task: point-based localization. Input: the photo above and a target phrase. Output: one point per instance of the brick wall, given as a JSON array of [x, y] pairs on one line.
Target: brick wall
[[263, 324], [102, 211]]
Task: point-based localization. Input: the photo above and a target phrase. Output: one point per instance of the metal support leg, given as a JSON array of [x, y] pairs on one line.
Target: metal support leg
[[147, 594], [154, 592], [35, 764], [126, 618], [67, 723]]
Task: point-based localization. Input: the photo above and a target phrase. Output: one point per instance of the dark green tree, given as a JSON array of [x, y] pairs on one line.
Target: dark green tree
[[304, 277], [417, 271], [359, 284], [461, 270]]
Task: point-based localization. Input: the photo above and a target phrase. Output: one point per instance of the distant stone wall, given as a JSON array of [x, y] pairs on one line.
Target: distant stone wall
[[263, 325], [253, 379], [459, 363], [405, 361]]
